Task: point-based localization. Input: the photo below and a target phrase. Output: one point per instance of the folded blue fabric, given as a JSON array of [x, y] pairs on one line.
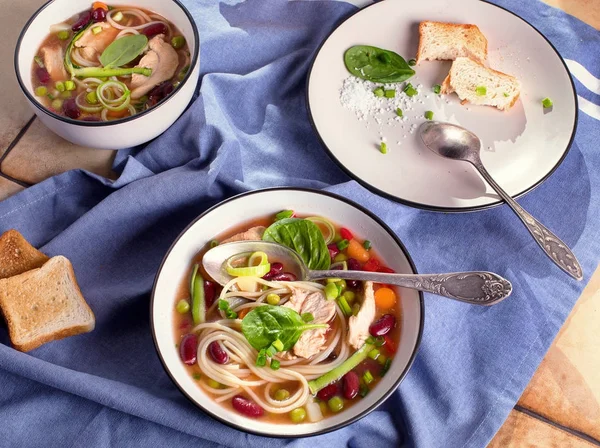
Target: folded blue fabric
[[248, 129]]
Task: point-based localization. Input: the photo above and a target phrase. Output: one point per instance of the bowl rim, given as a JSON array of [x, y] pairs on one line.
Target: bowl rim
[[350, 420], [31, 98]]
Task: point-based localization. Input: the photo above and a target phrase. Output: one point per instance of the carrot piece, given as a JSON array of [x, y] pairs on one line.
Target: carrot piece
[[385, 298], [243, 313], [99, 5], [357, 251], [118, 113], [389, 344]]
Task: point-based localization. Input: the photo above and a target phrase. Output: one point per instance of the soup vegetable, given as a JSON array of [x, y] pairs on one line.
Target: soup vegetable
[[108, 63], [275, 348]]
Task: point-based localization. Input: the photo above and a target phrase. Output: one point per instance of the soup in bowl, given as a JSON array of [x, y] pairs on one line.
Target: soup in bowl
[[267, 352], [96, 72]]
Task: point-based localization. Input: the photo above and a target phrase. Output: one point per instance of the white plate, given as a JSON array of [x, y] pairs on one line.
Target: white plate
[[521, 147], [258, 204]]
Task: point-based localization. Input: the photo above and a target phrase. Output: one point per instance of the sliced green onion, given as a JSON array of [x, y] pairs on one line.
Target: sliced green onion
[[344, 306], [85, 104], [63, 34], [307, 317], [379, 341], [214, 384], [116, 104], [38, 61], [390, 93], [271, 351], [363, 390], [412, 62], [97, 29], [178, 42], [374, 354], [367, 245], [399, 112], [342, 265], [547, 103], [378, 92], [223, 305], [506, 94], [383, 148], [339, 258], [343, 244], [213, 243], [57, 104], [350, 296], [41, 91], [248, 271], [284, 214], [331, 291], [60, 86], [196, 376], [278, 345], [261, 359], [429, 115], [437, 89], [370, 340], [70, 85], [198, 299], [118, 16], [322, 222], [355, 309], [386, 366], [368, 377], [410, 90], [382, 359], [481, 90], [336, 404], [183, 306], [275, 364], [273, 299], [258, 258]]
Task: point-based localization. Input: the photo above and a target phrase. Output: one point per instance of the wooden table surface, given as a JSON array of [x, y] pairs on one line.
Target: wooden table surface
[[561, 405]]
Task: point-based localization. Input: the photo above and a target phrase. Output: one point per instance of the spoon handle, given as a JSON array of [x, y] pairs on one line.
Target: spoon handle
[[552, 245], [476, 288]]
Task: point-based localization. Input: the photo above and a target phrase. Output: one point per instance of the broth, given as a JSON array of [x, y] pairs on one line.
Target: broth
[[70, 79], [183, 325]]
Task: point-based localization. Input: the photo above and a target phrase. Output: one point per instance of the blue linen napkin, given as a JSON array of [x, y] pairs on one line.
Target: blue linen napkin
[[248, 129]]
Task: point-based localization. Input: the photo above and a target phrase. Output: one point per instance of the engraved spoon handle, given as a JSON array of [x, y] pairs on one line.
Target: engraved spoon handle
[[552, 245], [477, 288]]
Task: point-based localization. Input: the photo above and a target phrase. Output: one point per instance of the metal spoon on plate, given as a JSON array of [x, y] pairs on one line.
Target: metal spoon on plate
[[455, 142], [477, 288]]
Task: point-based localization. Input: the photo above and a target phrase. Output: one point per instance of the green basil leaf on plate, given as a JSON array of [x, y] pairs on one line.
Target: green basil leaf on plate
[[376, 64]]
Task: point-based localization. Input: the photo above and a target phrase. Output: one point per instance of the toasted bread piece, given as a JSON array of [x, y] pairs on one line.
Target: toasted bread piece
[[17, 255], [466, 75], [448, 41], [44, 305]]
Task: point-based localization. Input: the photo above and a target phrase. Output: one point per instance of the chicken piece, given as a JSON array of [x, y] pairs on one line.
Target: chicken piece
[[93, 45], [53, 61], [311, 342], [252, 234], [162, 59], [358, 326]]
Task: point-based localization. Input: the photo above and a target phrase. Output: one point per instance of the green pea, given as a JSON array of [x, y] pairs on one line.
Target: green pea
[[273, 299], [41, 91], [57, 104], [298, 415], [63, 34], [336, 404], [214, 384], [183, 306], [178, 42], [282, 394]]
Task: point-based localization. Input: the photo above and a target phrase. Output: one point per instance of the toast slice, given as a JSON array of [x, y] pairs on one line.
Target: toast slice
[[474, 83], [448, 41], [17, 255], [44, 305]]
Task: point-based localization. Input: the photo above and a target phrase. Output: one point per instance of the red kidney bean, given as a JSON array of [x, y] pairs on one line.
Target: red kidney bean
[[383, 325], [284, 277], [82, 21], [346, 234], [371, 266], [159, 92], [328, 392], [188, 349], [154, 29], [246, 407], [353, 264], [210, 292], [70, 108], [333, 250], [99, 15], [277, 267], [351, 385], [43, 75], [217, 353]]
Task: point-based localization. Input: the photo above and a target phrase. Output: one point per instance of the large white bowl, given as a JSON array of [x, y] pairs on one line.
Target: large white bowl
[[121, 133], [257, 204]]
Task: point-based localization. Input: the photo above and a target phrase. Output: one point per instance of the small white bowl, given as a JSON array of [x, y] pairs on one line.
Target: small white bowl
[[256, 204], [117, 134]]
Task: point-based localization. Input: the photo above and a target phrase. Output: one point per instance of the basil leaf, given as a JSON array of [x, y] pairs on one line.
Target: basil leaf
[[268, 323], [376, 64], [123, 50], [304, 237]]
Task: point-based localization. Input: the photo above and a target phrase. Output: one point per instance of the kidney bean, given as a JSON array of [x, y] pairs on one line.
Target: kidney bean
[[159, 92], [246, 407], [82, 21], [43, 75], [70, 108], [188, 349], [328, 392], [154, 29], [346, 234], [210, 292], [371, 266], [284, 277], [351, 385], [333, 250], [276, 267], [353, 265], [217, 353], [383, 325], [99, 15]]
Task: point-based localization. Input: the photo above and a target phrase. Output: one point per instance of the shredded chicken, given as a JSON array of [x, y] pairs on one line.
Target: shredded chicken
[[53, 61], [252, 234], [358, 326], [163, 61], [93, 45], [311, 342]]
